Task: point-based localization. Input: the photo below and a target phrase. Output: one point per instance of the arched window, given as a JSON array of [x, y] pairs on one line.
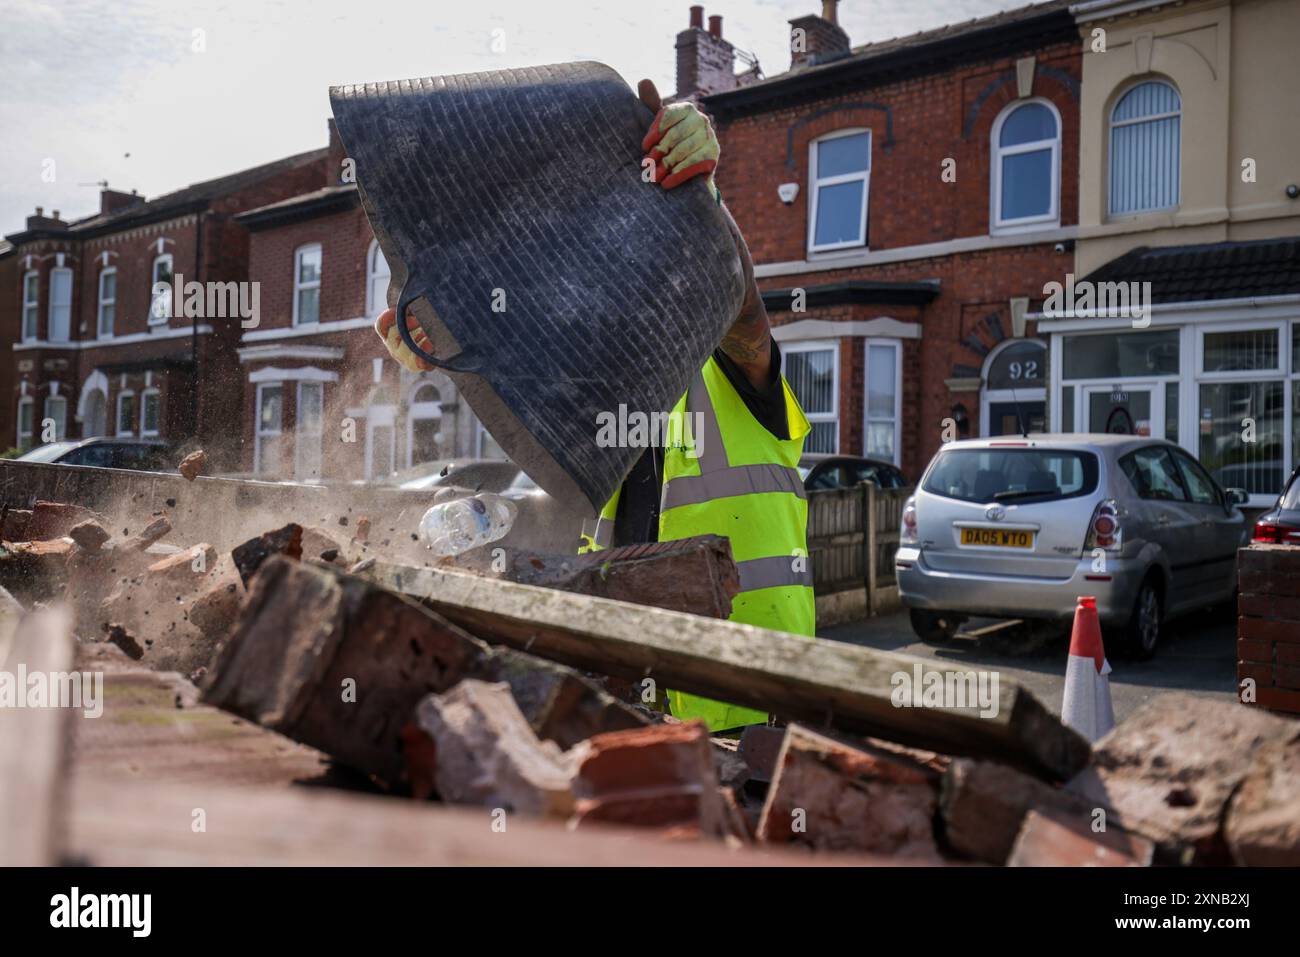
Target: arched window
[[1015, 393], [1026, 166], [1145, 130], [839, 173], [377, 276]]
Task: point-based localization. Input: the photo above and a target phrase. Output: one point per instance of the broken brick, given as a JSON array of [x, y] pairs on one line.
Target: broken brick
[[153, 532], [1047, 840], [1170, 769], [14, 526], [828, 795], [51, 520], [660, 776], [117, 635], [90, 536], [181, 567], [984, 804], [486, 754], [193, 465], [1263, 822], [249, 556]]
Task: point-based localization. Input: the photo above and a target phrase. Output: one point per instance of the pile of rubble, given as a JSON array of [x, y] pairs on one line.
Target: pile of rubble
[[530, 686]]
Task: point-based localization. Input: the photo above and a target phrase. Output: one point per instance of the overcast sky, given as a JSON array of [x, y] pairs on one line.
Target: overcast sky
[[115, 89]]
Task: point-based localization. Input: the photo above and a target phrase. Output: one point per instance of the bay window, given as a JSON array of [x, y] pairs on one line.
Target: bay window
[[267, 439], [883, 397]]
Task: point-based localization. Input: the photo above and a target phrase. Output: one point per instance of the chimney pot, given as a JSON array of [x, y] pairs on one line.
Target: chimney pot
[[715, 26], [40, 210], [697, 17], [828, 10], [56, 214]]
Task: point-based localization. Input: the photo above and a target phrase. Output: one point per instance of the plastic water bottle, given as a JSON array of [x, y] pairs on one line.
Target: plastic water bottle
[[449, 528]]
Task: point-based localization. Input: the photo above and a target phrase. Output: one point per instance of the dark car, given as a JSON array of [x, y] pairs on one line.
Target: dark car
[[146, 455], [846, 471], [1281, 524]]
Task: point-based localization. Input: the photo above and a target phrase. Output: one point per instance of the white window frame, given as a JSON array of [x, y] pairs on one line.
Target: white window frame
[[145, 395], [375, 303], [897, 346], [997, 152], [299, 286], [117, 409], [31, 307], [258, 432], [103, 301], [25, 439], [156, 320], [60, 421], [302, 437], [420, 412], [54, 304], [822, 345], [816, 184], [1111, 124]]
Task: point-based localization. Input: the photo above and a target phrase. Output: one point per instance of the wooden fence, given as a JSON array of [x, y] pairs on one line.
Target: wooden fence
[[852, 535]]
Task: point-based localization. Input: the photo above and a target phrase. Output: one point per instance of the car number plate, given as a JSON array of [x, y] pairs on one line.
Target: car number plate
[[997, 537]]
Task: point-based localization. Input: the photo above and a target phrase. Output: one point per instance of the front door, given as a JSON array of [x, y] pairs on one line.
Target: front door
[[1128, 409]]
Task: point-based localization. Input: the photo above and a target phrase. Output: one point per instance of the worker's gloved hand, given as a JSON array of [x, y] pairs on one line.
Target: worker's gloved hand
[[386, 326], [681, 141]]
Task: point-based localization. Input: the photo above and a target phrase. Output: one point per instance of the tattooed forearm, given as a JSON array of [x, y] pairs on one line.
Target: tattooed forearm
[[749, 340]]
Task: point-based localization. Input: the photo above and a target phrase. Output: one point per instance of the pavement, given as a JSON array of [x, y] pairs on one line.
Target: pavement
[[1196, 655]]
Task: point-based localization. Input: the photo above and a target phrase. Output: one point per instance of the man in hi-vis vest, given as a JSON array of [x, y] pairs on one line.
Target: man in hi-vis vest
[[738, 477]]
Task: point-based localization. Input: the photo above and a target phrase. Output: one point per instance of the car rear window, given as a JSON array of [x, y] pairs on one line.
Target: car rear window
[[1291, 495], [1012, 474]]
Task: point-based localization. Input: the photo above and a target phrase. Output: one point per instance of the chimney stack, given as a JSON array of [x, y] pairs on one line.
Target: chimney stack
[[706, 63], [818, 39], [41, 221], [111, 200]]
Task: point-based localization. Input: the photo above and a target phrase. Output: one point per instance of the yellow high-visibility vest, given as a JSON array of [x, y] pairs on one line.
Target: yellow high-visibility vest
[[735, 478]]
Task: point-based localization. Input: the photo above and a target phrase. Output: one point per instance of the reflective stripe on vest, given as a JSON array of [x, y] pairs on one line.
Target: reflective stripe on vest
[[758, 502]]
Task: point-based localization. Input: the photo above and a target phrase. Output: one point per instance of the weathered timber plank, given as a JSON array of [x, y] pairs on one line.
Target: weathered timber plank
[[815, 681], [34, 741]]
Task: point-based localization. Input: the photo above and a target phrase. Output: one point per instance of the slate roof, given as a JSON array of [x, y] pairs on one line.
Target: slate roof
[[1263, 267]]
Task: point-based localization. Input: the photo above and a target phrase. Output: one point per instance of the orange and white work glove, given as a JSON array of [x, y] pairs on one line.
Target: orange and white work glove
[[386, 326], [681, 141]]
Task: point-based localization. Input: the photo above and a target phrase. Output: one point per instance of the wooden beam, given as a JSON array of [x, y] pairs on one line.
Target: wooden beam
[[816, 681]]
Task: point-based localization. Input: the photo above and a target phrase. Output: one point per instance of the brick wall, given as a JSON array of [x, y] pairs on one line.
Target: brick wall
[[1268, 629], [10, 294], [916, 124]]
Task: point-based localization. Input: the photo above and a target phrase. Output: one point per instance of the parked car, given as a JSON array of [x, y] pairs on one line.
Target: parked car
[[147, 455], [1021, 528], [1281, 524], [846, 471]]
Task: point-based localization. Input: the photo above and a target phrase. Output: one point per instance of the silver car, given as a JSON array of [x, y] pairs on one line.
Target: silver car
[[1021, 527]]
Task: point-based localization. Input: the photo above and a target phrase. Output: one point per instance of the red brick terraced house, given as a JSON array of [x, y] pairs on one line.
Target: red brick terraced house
[[94, 351], [905, 203], [321, 397]]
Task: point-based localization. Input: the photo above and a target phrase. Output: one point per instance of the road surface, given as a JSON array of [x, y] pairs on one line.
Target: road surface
[[1196, 655]]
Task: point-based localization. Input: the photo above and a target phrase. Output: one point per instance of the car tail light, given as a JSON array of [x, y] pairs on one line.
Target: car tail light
[[907, 532], [1276, 533], [1104, 530]]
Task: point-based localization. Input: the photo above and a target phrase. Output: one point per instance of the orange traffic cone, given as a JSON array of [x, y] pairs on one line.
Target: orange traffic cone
[[1086, 706]]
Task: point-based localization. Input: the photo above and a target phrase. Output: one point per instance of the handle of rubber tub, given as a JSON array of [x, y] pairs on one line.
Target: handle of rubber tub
[[466, 363]]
